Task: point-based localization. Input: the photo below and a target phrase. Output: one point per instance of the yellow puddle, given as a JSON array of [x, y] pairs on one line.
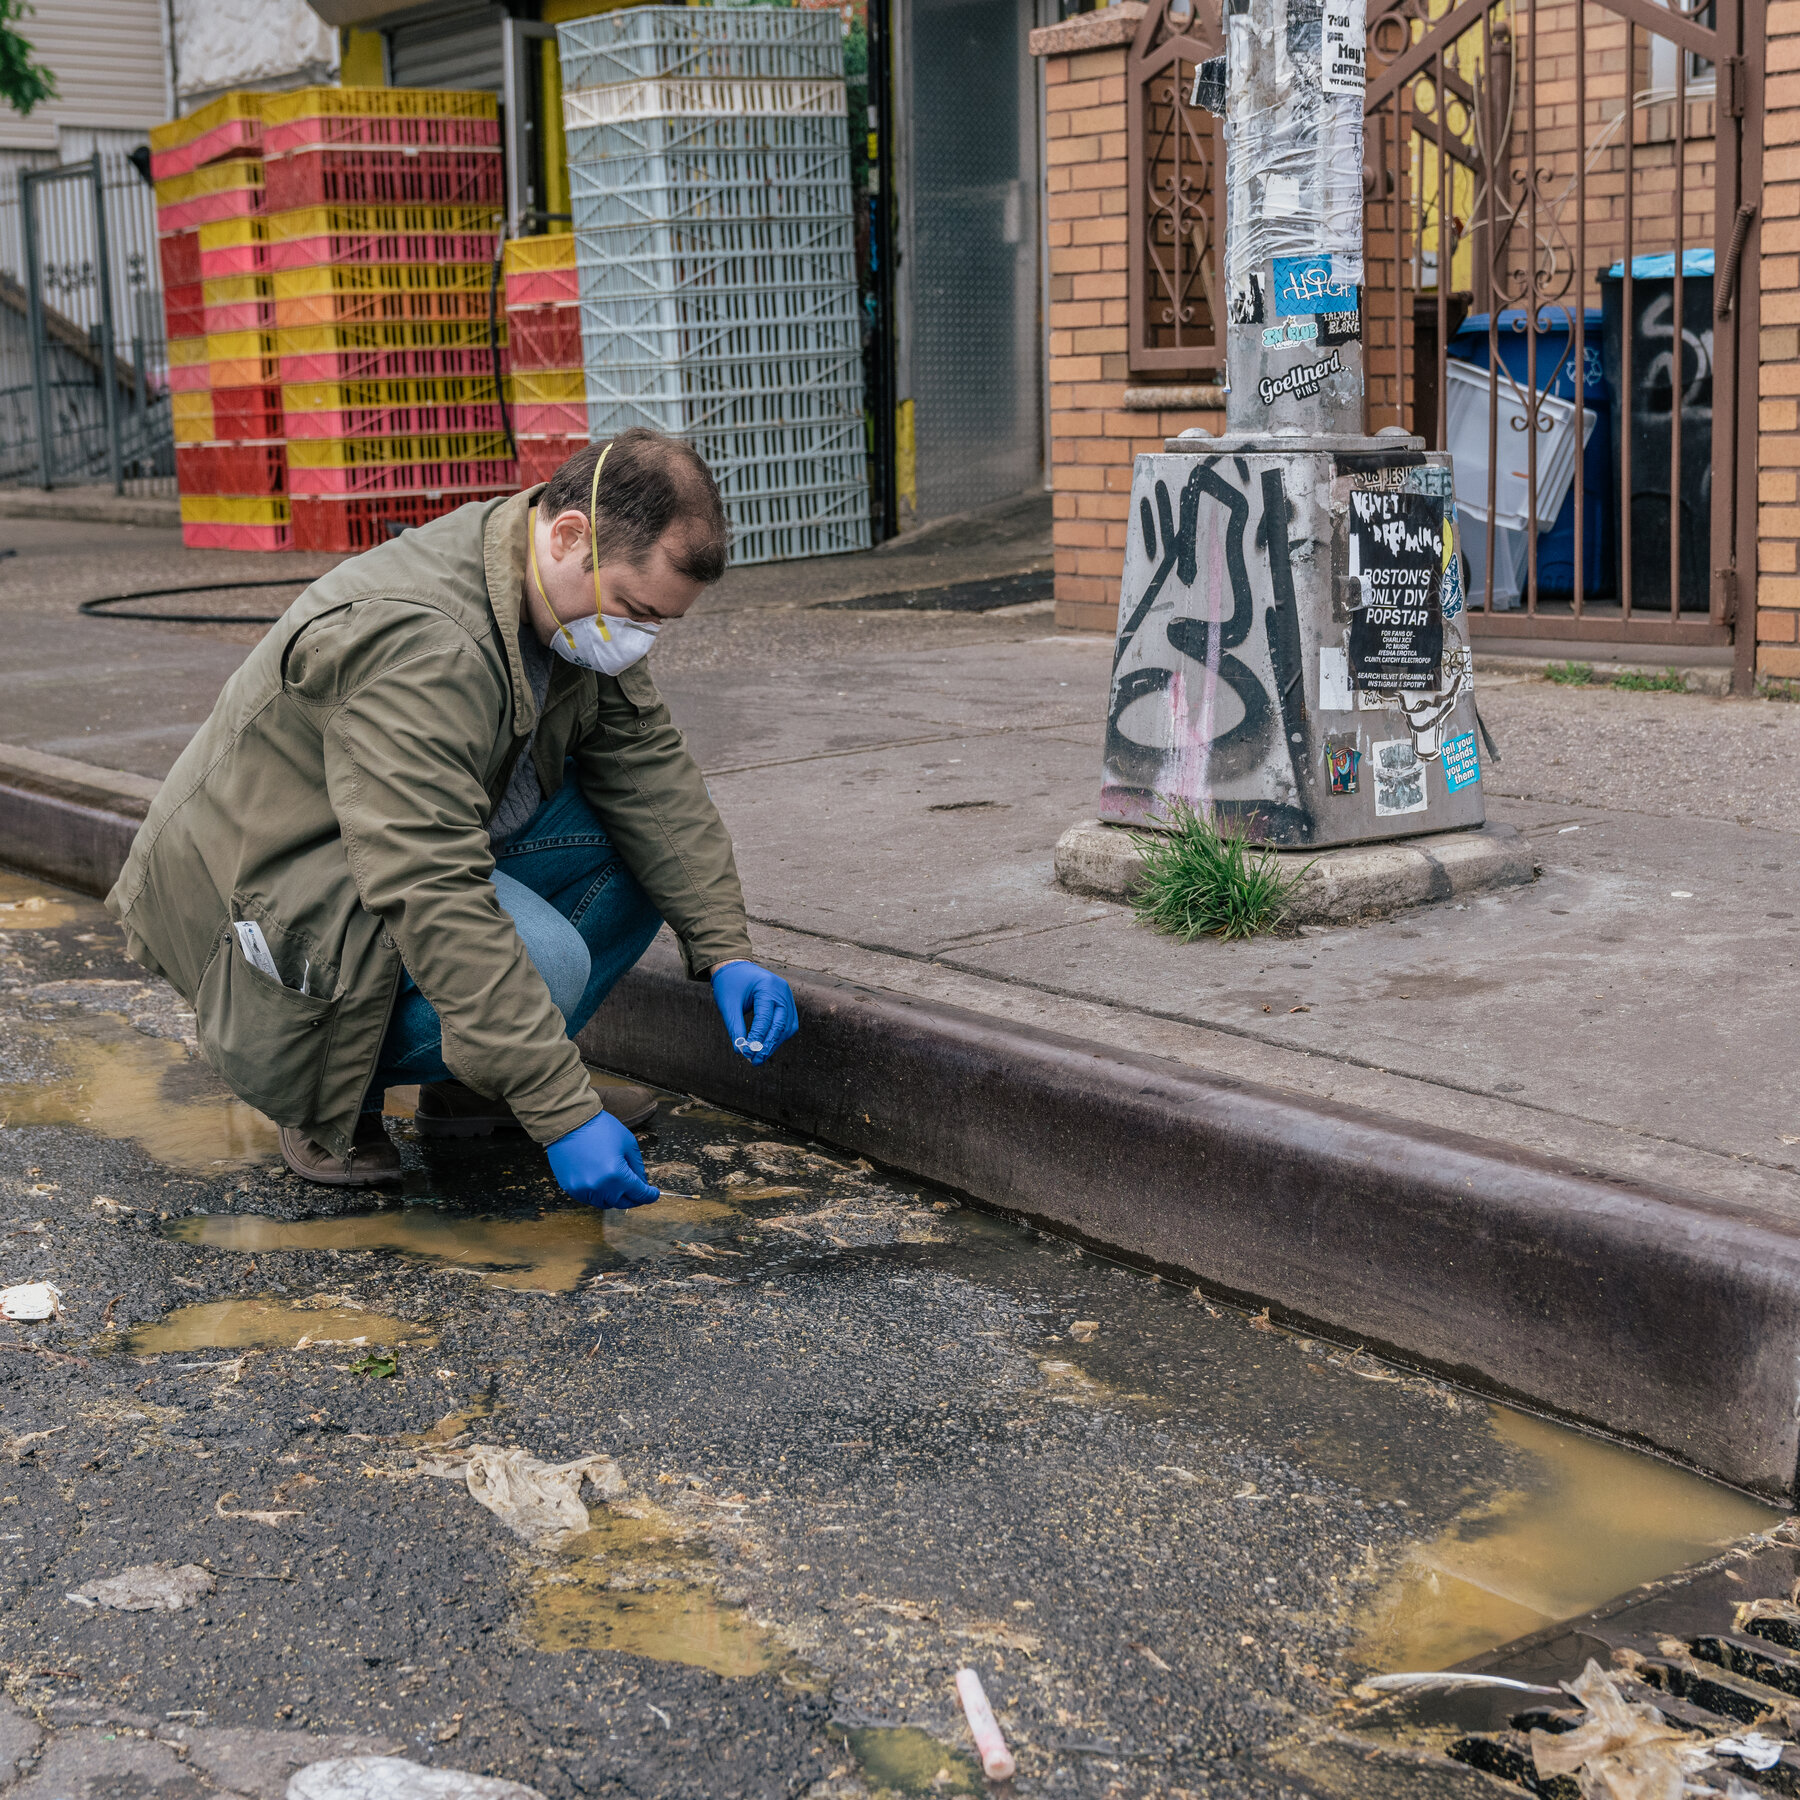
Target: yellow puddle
[[27, 905], [551, 1251], [271, 1325], [1601, 1520], [901, 1759], [124, 1084], [638, 1585]]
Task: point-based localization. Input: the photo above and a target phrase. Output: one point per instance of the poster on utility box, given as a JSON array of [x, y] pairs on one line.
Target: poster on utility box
[[1397, 555]]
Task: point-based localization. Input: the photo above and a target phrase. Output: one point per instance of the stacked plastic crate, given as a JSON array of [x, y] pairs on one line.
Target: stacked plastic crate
[[382, 216], [709, 169], [543, 328], [230, 461]]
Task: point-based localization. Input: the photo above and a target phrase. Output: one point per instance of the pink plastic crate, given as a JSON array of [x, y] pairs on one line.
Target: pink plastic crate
[[383, 247], [281, 137], [235, 259], [542, 287], [392, 421], [550, 418], [232, 138], [354, 177], [404, 478], [391, 365], [190, 378], [208, 209], [238, 537]]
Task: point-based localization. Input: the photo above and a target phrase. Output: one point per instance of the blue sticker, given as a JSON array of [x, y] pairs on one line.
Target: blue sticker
[[1460, 766], [1274, 336], [1309, 284]]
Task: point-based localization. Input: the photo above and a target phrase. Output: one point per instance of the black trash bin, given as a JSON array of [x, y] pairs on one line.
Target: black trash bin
[[1658, 373]]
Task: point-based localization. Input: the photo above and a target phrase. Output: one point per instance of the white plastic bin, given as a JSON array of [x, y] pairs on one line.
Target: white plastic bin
[[1466, 411]]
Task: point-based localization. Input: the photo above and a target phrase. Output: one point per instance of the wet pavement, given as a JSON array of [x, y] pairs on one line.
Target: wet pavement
[[867, 1435]]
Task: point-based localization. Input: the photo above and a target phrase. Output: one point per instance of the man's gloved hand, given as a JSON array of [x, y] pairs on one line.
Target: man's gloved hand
[[598, 1164], [774, 1018]]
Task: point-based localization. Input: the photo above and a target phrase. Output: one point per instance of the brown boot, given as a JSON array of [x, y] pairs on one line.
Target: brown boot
[[373, 1160], [447, 1109]]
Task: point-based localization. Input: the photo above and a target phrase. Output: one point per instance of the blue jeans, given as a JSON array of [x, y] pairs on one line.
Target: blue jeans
[[579, 912]]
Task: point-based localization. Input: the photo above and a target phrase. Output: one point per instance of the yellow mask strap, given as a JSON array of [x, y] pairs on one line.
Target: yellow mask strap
[[537, 579], [594, 541]]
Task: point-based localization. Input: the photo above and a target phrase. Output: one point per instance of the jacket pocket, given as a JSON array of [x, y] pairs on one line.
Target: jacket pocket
[[269, 1042]]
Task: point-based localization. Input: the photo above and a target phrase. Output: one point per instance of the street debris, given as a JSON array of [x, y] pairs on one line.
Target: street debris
[[151, 1587], [220, 1511], [1749, 1747], [1620, 1751], [15, 1447], [536, 1501], [1441, 1681], [29, 1301], [1749, 1611], [996, 1760], [1084, 1331], [394, 1778]]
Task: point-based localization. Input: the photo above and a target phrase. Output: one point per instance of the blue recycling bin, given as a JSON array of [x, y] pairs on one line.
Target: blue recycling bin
[[1556, 376]]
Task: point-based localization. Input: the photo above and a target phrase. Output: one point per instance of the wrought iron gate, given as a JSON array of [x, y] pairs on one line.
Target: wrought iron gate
[[1593, 165], [83, 363]]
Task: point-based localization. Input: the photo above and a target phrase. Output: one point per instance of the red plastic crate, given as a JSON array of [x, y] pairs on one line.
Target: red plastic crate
[[208, 209], [361, 523], [544, 337], [380, 309], [392, 421], [235, 259], [541, 457], [391, 365], [238, 537], [542, 287], [382, 247], [235, 137], [180, 255], [550, 418], [383, 178], [232, 468], [282, 137], [246, 413], [402, 478], [184, 310]]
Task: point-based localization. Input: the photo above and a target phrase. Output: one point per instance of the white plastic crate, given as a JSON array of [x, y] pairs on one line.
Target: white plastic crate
[[658, 42], [698, 169], [702, 344], [817, 524], [828, 306], [775, 201], [645, 277], [1466, 402], [711, 241], [702, 107]]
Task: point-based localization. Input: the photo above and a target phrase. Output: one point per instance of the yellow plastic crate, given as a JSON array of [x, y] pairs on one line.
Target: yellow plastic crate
[[232, 234], [192, 415], [348, 396], [382, 278], [548, 387], [212, 178], [234, 509], [377, 221], [218, 112], [408, 334], [378, 103], [356, 453], [233, 346], [230, 290], [185, 352], [536, 255]]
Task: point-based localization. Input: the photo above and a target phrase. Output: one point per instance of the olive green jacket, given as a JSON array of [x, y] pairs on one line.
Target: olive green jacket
[[339, 796]]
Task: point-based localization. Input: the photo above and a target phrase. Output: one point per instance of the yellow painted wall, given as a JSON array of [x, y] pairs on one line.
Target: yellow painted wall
[[361, 62]]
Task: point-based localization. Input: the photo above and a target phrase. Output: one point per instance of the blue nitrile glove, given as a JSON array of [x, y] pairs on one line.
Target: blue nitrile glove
[[598, 1164], [774, 1018]]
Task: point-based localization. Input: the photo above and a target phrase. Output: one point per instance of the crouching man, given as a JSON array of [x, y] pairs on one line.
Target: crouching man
[[438, 812]]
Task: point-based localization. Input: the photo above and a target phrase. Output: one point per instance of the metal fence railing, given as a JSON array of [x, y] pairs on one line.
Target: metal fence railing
[[84, 394]]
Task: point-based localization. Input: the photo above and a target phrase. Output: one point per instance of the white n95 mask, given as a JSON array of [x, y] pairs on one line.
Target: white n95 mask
[[610, 653]]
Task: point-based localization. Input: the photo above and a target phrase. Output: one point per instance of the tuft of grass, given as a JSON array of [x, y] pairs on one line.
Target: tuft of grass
[[1641, 681], [1202, 882], [1777, 687], [1570, 674]]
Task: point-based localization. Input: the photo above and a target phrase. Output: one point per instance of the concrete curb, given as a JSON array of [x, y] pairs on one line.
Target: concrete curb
[[1705, 678], [89, 506], [1337, 887], [1646, 1313]]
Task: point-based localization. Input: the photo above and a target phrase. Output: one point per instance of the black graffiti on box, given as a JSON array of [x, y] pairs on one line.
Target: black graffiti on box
[[1397, 559], [1302, 382]]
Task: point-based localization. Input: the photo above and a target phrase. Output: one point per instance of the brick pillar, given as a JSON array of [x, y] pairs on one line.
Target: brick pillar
[[1100, 418], [1778, 422]]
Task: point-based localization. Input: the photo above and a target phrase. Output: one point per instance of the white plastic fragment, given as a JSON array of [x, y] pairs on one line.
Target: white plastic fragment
[[150, 1587], [1750, 1747], [996, 1760], [1441, 1681], [394, 1778], [30, 1300], [536, 1501]]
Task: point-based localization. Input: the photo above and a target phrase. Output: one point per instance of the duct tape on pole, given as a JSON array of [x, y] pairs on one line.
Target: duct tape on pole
[[1292, 655]]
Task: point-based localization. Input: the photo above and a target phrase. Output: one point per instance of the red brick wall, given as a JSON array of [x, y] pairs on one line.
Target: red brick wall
[[1778, 423]]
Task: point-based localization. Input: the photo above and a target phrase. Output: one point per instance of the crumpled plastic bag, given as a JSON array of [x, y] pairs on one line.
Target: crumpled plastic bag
[[1620, 1751], [30, 1301], [150, 1587], [1751, 1747], [537, 1501], [394, 1778]]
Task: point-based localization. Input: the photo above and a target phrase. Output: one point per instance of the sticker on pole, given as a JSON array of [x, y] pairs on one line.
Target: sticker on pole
[[1399, 777], [1314, 284], [1399, 545], [1461, 766], [1342, 760], [1342, 68]]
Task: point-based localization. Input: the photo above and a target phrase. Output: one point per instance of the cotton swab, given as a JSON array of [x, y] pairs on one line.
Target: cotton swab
[[996, 1760]]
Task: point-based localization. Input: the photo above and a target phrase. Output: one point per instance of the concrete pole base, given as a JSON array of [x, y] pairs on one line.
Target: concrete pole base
[[1338, 887]]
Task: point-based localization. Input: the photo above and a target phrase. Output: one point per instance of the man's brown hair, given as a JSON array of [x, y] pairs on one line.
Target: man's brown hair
[[650, 482]]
